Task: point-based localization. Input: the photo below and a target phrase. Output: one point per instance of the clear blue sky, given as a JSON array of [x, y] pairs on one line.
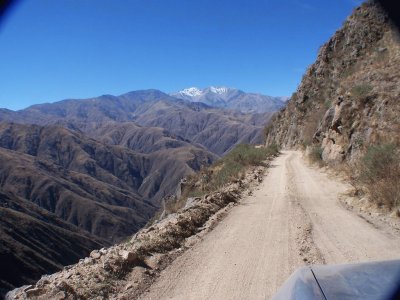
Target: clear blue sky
[[56, 49]]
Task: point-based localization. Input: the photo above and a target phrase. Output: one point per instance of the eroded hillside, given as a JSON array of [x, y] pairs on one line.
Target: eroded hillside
[[63, 194]]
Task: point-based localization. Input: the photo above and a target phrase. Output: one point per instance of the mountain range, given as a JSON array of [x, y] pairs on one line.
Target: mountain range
[[195, 121], [94, 171]]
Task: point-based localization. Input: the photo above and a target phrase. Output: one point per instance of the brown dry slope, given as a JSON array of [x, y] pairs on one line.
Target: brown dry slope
[[294, 218]]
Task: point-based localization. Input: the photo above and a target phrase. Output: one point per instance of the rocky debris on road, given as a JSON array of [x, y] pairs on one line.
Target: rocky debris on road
[[126, 270], [307, 249]]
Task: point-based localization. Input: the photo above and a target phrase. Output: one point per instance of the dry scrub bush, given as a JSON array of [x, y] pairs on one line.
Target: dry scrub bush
[[228, 169], [380, 172], [234, 164], [315, 155], [361, 90]]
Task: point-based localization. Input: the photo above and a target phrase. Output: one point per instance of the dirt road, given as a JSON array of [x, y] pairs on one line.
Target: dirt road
[[294, 218]]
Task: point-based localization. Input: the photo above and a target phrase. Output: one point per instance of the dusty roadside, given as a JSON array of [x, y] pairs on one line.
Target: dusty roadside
[[357, 200]]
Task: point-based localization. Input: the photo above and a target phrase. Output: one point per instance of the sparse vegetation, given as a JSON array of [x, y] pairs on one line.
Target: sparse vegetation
[[315, 155], [380, 172], [233, 165], [347, 72], [327, 104], [361, 91], [228, 169], [381, 54], [359, 140]]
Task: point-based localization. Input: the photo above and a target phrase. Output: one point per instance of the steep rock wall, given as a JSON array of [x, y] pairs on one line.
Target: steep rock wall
[[349, 98]]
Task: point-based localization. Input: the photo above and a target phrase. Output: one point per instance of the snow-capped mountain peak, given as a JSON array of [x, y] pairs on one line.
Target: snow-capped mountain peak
[[218, 90], [192, 92], [231, 98]]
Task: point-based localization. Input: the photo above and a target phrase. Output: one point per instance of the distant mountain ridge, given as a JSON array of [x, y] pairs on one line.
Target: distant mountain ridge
[[217, 129], [231, 98]]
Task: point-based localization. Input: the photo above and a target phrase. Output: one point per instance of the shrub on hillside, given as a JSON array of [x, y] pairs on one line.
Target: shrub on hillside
[[230, 168], [234, 164], [315, 155], [380, 171], [248, 155], [273, 149], [361, 90]]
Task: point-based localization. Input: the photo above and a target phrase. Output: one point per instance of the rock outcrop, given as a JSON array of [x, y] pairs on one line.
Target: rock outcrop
[[348, 99]]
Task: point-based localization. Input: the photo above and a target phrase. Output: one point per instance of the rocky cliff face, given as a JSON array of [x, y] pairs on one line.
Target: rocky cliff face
[[349, 98]]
